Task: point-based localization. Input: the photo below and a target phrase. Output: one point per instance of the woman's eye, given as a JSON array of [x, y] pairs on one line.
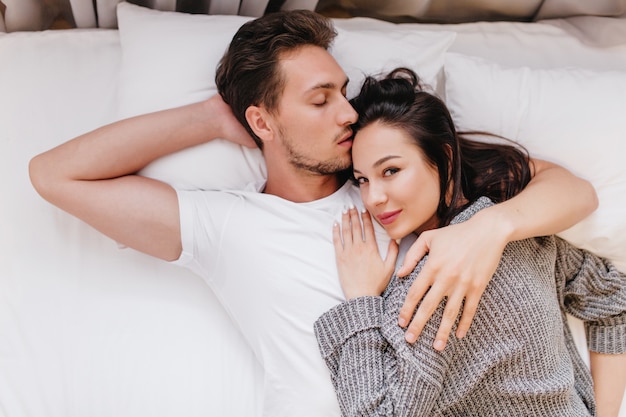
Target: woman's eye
[[390, 171], [361, 180]]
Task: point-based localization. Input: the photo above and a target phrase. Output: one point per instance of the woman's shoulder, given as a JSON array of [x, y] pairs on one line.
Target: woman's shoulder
[[473, 208]]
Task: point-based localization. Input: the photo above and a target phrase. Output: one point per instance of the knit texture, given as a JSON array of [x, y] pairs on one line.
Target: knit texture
[[518, 359]]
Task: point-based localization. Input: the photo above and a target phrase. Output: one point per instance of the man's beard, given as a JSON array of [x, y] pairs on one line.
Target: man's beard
[[317, 167], [305, 163]]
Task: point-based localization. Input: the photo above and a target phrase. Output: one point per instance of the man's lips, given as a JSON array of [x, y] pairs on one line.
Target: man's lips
[[346, 140], [347, 143], [388, 217]]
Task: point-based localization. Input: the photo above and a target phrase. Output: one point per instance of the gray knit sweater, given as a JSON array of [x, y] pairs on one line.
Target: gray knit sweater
[[518, 359]]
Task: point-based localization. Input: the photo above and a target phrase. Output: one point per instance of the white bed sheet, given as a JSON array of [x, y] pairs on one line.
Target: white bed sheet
[[87, 329]]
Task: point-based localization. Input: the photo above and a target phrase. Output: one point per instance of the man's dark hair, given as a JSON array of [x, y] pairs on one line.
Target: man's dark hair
[[249, 72]]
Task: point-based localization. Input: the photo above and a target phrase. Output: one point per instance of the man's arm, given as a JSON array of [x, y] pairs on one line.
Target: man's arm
[[463, 257], [92, 176]]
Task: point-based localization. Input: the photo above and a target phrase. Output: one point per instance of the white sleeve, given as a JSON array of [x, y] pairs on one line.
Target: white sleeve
[[202, 215]]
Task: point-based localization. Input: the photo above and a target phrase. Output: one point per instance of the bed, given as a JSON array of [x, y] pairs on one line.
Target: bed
[[89, 328]]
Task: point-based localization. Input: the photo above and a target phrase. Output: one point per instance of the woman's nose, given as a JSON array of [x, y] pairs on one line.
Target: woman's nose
[[375, 195]]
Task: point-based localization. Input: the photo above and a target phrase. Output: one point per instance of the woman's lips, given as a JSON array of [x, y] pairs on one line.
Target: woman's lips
[[388, 217]]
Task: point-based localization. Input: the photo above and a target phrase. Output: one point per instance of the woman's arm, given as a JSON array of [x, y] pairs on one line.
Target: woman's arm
[[463, 257], [353, 348], [369, 375], [92, 176], [369, 379], [594, 291], [609, 382]]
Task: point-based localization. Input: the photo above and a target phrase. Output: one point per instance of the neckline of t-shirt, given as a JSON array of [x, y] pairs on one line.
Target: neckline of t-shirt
[[338, 197]]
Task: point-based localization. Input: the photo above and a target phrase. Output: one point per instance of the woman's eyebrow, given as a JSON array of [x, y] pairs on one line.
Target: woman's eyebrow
[[379, 162]]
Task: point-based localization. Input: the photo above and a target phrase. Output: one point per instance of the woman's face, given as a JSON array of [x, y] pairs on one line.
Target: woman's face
[[398, 186]]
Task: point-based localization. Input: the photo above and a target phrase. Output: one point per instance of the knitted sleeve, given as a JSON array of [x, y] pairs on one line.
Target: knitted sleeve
[[595, 292], [370, 376]]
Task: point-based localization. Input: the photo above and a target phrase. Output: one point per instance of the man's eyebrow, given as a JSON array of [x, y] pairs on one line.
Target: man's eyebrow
[[380, 161], [329, 85]]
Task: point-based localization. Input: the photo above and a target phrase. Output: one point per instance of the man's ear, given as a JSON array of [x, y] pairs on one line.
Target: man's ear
[[260, 122]]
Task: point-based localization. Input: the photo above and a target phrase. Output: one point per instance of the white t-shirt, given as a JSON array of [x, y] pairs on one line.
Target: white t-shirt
[[271, 262]]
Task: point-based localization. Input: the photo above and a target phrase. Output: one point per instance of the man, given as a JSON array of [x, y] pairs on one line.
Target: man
[[267, 250]]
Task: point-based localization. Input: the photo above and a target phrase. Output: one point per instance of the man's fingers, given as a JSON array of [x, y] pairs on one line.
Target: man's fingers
[[413, 297], [422, 315], [469, 311], [415, 253], [416, 292], [450, 313]]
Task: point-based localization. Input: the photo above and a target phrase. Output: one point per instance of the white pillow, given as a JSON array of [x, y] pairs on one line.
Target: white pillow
[[548, 44], [169, 59], [376, 52], [570, 116]]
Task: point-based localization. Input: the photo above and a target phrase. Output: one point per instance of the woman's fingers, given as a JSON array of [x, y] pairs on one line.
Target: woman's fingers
[[355, 223], [352, 231], [368, 226], [337, 240], [346, 230], [392, 255]]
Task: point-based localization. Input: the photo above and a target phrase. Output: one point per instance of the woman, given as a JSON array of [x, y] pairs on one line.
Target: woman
[[416, 173]]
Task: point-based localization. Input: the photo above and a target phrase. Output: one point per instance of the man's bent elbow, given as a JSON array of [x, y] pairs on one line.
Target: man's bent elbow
[[46, 178], [589, 197], [38, 175]]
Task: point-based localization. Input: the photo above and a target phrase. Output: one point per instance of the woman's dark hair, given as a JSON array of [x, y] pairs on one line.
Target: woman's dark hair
[[468, 169], [249, 72]]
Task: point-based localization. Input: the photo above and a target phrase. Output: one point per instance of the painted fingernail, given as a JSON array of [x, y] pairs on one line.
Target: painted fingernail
[[439, 344], [345, 210], [461, 334], [410, 337], [401, 322]]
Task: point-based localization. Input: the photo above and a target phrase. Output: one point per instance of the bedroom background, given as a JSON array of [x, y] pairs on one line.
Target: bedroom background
[[29, 15]]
